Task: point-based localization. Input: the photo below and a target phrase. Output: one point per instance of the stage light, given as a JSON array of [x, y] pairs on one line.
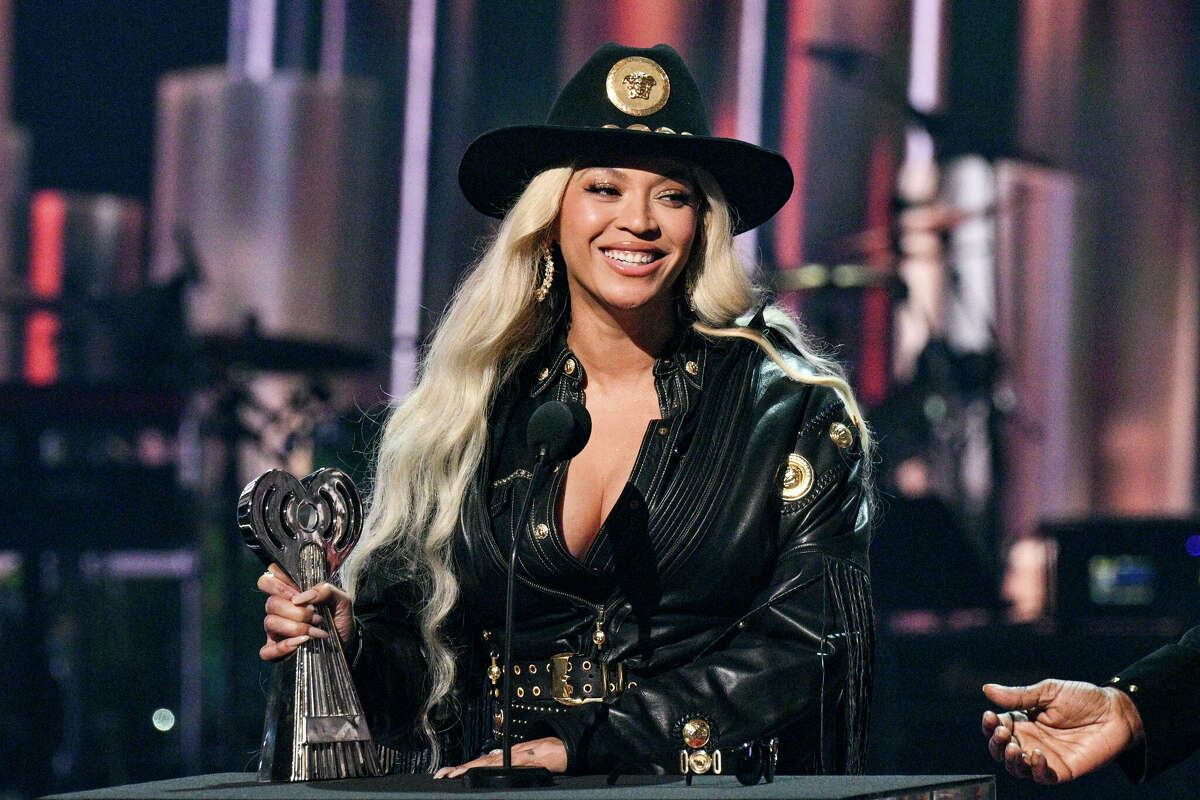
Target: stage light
[[163, 719]]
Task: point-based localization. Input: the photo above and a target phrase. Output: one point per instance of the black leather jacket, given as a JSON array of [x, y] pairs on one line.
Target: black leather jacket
[[729, 581]]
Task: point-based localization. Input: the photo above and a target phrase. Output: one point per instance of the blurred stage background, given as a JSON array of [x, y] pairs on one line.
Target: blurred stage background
[[206, 209]]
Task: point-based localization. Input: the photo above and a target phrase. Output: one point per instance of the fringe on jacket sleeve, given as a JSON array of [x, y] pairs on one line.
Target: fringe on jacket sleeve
[[850, 591]]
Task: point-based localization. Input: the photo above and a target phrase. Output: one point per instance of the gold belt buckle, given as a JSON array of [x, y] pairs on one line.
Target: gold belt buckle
[[563, 691]]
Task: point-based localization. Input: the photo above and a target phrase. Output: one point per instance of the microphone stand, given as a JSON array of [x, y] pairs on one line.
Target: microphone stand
[[508, 776]]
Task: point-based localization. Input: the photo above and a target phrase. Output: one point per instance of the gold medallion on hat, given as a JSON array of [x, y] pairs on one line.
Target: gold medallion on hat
[[638, 86]]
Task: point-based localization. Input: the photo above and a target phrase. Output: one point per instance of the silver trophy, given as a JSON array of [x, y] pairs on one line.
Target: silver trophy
[[315, 728]]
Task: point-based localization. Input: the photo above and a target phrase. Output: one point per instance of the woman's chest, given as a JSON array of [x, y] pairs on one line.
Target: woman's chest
[[596, 477], [656, 505]]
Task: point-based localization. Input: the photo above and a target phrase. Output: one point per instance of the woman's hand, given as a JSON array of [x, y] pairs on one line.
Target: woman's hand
[[1071, 728], [292, 618], [550, 753]]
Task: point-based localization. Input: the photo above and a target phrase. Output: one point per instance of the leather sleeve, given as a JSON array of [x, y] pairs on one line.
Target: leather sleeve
[[388, 666], [788, 659], [1165, 688]]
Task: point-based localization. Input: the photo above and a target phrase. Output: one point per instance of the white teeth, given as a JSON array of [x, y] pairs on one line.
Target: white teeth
[[631, 256]]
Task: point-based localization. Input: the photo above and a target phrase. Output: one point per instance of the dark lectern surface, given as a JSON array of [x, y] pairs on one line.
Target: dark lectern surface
[[242, 785]]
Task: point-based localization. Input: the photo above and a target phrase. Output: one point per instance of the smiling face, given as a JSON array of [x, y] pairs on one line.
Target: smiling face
[[626, 234]]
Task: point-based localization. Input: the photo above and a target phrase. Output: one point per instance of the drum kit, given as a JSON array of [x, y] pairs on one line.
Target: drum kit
[[96, 358], [239, 320]]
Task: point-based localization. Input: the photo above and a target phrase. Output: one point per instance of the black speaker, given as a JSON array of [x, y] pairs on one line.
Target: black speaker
[[1126, 575]]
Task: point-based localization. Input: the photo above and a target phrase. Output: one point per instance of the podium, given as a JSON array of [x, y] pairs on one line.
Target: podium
[[244, 785]]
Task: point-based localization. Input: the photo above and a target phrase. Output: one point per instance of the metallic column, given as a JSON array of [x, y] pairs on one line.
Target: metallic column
[[414, 188]]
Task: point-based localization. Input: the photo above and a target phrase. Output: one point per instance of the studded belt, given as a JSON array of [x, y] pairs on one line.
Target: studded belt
[[567, 678]]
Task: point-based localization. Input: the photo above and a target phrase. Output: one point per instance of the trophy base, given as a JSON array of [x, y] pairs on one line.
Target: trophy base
[[512, 778]]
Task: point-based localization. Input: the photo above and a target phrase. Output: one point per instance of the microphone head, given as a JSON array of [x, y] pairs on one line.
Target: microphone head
[[558, 431]]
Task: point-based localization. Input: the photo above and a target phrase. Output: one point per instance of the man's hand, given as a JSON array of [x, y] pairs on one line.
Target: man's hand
[[1063, 729]]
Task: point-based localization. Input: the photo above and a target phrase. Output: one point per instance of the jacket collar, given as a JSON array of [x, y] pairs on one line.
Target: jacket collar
[[678, 370]]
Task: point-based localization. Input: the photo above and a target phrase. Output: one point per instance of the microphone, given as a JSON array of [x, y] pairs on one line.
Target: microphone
[[556, 431]]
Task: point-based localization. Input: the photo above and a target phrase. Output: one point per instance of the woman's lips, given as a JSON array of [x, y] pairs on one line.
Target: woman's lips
[[634, 263]]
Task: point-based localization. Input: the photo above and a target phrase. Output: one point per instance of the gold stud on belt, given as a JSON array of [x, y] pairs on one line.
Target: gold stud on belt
[[612, 680]]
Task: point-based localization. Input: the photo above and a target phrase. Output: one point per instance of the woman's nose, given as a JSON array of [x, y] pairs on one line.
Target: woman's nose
[[637, 216]]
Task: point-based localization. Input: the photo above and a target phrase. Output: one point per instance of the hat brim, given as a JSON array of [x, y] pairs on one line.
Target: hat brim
[[498, 165]]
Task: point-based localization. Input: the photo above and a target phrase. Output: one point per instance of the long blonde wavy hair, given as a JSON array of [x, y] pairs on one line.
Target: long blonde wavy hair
[[427, 456]]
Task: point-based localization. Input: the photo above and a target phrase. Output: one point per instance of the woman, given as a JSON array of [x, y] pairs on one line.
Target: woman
[[694, 581]]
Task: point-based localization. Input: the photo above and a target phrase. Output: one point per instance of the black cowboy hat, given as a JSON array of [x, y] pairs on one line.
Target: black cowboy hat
[[626, 101]]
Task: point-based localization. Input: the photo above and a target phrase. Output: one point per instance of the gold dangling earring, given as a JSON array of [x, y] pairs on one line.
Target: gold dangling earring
[[547, 276]]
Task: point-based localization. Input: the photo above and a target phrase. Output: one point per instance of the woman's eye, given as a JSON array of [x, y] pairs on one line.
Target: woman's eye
[[603, 189], [678, 198]]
